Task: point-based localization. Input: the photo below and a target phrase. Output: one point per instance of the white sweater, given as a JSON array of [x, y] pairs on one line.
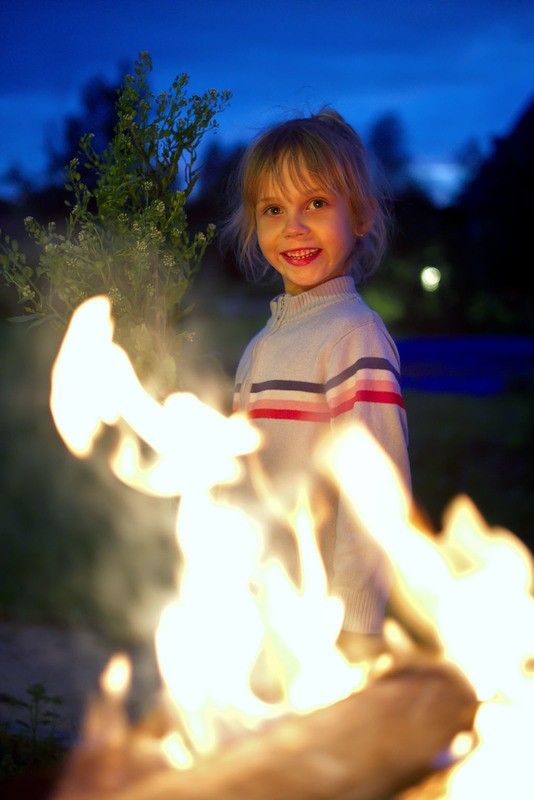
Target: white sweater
[[322, 359]]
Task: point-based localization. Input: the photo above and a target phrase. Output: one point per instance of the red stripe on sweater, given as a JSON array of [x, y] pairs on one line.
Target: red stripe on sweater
[[362, 396], [368, 396], [288, 413]]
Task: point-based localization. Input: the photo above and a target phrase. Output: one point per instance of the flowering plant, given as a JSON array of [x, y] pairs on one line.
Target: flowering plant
[[126, 234]]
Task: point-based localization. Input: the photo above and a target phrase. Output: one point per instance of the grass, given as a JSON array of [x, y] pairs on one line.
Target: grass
[[479, 446]]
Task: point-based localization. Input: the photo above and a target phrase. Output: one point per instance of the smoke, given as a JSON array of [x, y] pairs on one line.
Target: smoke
[[78, 548]]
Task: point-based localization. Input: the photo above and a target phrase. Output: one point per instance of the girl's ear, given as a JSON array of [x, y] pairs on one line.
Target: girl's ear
[[365, 219]]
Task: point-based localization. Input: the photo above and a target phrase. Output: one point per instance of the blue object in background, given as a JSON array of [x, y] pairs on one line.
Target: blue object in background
[[476, 365]]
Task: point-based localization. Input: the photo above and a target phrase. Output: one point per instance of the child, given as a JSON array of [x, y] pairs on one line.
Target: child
[[308, 210]]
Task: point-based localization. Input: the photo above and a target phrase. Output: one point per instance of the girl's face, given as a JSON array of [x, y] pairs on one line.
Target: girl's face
[[306, 233]]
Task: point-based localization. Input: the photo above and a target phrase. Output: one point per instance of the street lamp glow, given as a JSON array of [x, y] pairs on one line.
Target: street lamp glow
[[430, 278]]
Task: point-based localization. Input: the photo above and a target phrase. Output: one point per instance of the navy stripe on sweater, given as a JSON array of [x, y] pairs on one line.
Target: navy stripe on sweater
[[368, 362]]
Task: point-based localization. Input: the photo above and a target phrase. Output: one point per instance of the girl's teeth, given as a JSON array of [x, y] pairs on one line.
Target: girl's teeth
[[301, 253]]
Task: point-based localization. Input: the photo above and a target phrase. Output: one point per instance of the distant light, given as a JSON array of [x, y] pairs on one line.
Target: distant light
[[430, 278]]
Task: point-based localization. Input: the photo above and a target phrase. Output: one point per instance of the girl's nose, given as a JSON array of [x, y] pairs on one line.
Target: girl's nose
[[295, 224]]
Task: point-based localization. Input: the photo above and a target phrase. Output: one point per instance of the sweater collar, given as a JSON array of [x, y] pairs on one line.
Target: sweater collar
[[331, 291]]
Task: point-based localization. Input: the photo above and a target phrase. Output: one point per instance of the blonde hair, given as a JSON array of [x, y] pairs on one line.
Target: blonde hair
[[327, 148]]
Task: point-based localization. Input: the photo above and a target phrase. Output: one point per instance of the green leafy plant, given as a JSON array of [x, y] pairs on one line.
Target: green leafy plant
[[40, 719], [126, 234], [34, 741]]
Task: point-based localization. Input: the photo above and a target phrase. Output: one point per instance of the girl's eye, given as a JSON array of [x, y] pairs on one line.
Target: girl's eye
[[318, 203], [273, 211]]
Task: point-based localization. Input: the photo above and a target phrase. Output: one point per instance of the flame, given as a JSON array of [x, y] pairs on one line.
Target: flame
[[472, 586], [94, 383], [235, 610], [239, 619], [115, 680]]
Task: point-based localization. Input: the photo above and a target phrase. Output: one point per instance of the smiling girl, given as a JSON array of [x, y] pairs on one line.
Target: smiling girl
[[307, 209]]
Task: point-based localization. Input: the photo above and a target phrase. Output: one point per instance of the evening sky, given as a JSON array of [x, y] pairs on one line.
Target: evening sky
[[453, 70]]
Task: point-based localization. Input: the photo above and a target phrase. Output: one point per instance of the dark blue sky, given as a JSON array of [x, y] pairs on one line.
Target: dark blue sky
[[452, 70]]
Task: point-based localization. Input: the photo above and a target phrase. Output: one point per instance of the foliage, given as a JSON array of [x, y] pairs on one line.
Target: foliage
[[38, 720], [128, 236], [35, 744]]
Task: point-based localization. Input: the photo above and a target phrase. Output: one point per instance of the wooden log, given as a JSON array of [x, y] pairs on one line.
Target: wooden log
[[370, 746], [431, 788]]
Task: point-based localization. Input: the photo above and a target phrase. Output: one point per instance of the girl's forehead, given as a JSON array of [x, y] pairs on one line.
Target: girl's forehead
[[287, 176]]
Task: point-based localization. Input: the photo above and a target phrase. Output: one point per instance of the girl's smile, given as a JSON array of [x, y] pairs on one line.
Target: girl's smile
[[306, 233], [301, 257]]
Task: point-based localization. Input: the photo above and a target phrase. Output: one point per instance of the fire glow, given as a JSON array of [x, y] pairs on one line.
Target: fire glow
[[267, 637]]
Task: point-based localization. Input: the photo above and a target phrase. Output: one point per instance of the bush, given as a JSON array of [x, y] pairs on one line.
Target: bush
[[128, 236]]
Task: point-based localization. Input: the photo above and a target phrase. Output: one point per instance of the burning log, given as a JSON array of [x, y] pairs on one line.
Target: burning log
[[370, 746]]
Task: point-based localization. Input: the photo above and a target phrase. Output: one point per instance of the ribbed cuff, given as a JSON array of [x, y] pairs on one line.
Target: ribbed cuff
[[364, 610]]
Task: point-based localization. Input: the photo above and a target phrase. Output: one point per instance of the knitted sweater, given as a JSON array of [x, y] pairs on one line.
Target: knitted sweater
[[325, 358]]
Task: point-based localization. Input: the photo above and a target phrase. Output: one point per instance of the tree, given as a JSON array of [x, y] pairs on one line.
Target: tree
[[490, 240], [387, 143], [98, 114], [470, 157], [127, 236]]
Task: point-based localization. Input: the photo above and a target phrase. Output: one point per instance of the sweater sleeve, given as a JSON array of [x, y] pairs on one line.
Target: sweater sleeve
[[364, 386]]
